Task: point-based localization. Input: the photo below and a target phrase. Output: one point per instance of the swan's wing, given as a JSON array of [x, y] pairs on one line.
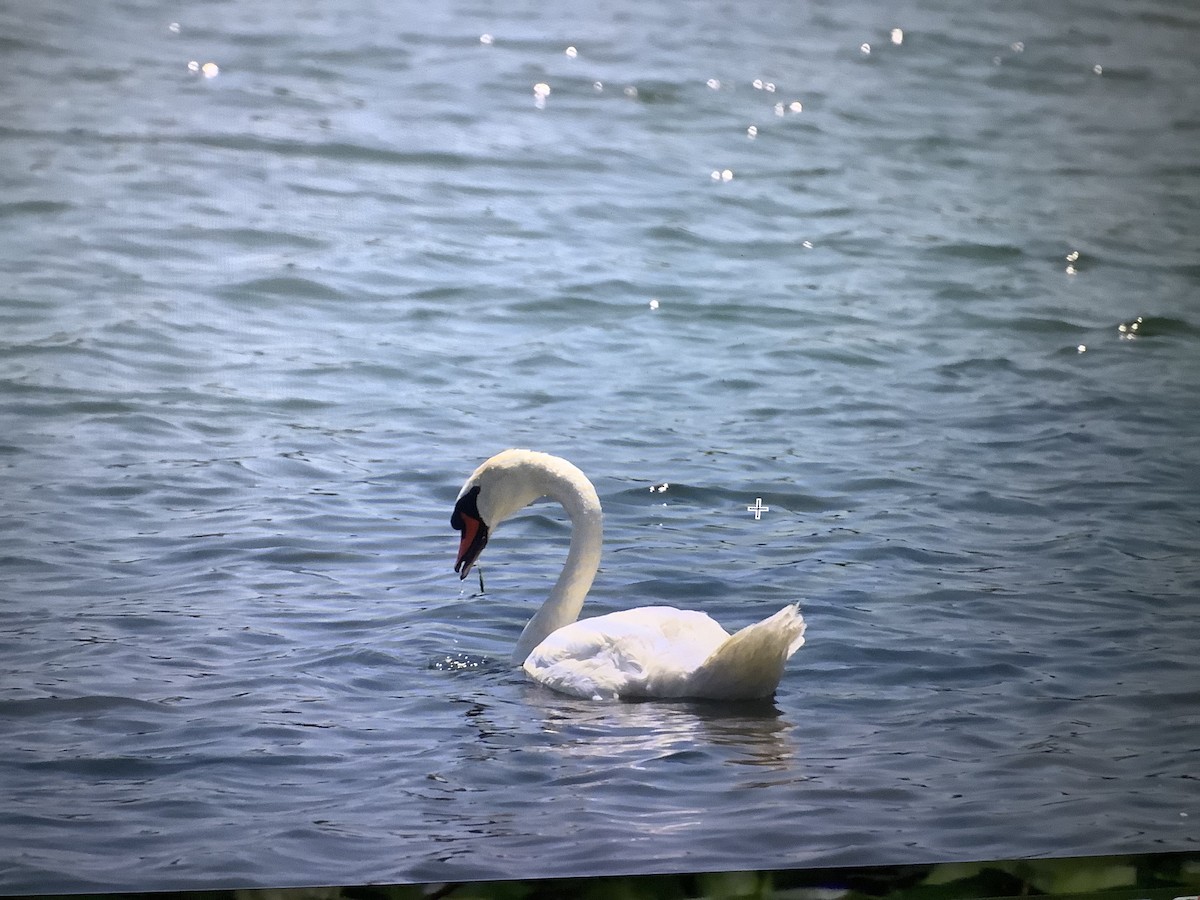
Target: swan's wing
[[645, 652], [750, 664]]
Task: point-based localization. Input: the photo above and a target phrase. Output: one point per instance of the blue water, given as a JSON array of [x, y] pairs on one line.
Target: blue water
[[940, 310]]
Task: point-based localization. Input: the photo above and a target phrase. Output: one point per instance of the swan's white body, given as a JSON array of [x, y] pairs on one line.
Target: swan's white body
[[652, 651]]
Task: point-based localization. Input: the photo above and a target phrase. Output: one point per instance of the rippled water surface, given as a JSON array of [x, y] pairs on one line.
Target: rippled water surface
[[276, 277]]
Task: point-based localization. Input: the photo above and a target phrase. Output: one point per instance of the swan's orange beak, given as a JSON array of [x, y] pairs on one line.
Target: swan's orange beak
[[466, 519], [474, 539]]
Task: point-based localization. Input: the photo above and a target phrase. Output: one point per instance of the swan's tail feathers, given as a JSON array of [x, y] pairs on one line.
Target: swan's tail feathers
[[750, 663]]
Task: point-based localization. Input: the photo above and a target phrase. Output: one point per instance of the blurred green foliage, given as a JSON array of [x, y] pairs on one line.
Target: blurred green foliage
[[1144, 877]]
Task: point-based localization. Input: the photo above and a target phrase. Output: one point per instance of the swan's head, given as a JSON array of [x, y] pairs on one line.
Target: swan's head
[[466, 518], [507, 483], [496, 490]]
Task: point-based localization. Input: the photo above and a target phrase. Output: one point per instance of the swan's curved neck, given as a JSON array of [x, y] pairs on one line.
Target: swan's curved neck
[[571, 488]]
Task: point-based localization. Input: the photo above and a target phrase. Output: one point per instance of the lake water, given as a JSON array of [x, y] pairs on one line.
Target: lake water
[[275, 277]]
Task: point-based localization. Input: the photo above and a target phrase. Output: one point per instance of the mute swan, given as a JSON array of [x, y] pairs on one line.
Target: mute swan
[[652, 651]]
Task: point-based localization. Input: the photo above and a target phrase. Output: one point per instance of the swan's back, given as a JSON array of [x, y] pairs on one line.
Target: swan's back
[[660, 651]]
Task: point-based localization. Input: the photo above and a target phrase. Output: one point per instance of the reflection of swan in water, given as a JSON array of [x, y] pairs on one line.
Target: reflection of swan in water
[[630, 772], [652, 651], [616, 737], [756, 734]]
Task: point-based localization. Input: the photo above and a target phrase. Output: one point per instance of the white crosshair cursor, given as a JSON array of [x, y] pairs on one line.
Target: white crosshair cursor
[[758, 509]]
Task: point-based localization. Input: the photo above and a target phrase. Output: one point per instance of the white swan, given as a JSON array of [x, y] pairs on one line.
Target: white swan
[[653, 651]]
